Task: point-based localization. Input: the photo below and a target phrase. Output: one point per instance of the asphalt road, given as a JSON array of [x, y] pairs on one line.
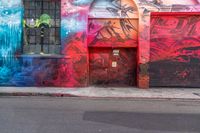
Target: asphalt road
[[81, 115]]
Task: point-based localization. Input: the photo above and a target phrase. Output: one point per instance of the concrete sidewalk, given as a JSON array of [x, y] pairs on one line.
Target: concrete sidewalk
[[104, 92]]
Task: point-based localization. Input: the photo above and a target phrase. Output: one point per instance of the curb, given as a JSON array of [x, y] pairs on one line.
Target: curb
[[62, 95], [2, 94]]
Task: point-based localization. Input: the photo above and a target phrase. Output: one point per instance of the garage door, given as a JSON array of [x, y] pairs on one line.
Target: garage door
[[175, 49]]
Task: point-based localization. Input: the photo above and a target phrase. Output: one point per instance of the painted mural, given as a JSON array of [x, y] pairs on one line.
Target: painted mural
[[112, 41], [175, 50], [74, 39], [146, 7], [112, 23], [10, 38], [67, 69], [113, 9], [113, 33]]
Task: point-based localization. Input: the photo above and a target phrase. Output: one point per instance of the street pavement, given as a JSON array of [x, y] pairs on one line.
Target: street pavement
[[98, 115]]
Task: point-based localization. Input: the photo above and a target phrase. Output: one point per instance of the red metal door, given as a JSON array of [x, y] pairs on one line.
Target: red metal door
[[123, 67], [113, 67]]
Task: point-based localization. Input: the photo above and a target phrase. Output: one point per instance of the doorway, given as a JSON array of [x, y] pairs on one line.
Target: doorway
[[112, 66]]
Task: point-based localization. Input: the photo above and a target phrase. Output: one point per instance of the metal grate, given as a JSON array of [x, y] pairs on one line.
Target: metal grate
[[41, 37]]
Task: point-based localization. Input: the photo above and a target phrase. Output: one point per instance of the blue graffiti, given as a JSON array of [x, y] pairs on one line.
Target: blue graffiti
[[73, 24], [25, 76], [10, 3], [81, 2], [10, 38]]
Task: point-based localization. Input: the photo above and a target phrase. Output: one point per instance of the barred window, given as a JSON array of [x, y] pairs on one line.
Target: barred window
[[41, 26]]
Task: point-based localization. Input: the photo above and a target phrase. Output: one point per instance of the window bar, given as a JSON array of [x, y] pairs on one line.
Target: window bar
[[59, 17], [35, 21], [55, 37], [38, 35], [42, 31]]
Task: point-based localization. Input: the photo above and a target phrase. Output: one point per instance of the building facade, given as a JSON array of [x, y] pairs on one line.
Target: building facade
[[78, 43]]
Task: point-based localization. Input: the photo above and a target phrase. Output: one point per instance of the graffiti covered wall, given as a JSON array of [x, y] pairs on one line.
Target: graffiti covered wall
[[113, 41], [111, 23], [101, 32], [146, 7], [11, 14], [68, 69], [175, 50], [74, 38], [113, 33]]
